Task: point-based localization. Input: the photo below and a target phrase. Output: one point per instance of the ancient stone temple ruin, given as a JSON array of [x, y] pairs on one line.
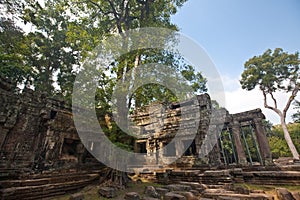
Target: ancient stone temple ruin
[[37, 132], [42, 155], [239, 138]]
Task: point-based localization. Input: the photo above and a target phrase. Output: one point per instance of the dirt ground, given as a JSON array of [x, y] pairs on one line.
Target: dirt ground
[[91, 192]]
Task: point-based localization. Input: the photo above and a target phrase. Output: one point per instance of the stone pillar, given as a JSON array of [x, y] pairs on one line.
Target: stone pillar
[[216, 150], [148, 148], [236, 130], [262, 140], [136, 148], [161, 152], [179, 147]]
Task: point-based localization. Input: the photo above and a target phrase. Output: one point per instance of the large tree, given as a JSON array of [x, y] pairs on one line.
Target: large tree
[[44, 58], [14, 53], [275, 71], [107, 17], [52, 55]]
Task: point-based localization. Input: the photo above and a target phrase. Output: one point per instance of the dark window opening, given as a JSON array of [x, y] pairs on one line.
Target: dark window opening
[[53, 114], [190, 148], [174, 106], [141, 147], [204, 107]]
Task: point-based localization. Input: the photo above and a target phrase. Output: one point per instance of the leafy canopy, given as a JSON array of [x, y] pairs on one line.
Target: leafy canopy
[[272, 71]]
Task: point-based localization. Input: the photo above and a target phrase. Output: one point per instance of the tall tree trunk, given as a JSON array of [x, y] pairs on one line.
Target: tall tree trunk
[[133, 75], [288, 139]]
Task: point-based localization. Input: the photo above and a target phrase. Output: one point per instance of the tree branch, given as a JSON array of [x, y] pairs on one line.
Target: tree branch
[[116, 16], [292, 97], [270, 107], [95, 4], [274, 100], [126, 15]]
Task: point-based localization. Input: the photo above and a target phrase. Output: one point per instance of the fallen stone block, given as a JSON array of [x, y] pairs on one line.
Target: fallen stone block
[[188, 195], [149, 198], [258, 191], [173, 196], [177, 187], [107, 192], [296, 195], [151, 192], [224, 195], [218, 173], [216, 191], [77, 196], [284, 194], [193, 185], [161, 191], [259, 196], [237, 189], [195, 192], [132, 196]]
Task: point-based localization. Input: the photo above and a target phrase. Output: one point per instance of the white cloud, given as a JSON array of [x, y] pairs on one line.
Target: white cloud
[[239, 100]]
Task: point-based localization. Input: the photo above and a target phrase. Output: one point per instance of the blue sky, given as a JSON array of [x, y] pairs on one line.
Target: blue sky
[[233, 31]]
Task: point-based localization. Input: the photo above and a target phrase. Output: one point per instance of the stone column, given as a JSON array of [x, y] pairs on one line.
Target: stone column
[[148, 148], [236, 130], [262, 140], [161, 152], [216, 150], [179, 147]]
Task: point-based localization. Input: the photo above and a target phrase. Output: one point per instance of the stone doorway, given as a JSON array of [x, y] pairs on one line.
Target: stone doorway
[[69, 149]]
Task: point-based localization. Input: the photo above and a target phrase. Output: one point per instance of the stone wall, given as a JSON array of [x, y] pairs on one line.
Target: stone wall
[[37, 132], [158, 124]]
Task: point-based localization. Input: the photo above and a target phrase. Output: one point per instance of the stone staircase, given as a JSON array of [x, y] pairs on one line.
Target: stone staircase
[[271, 175], [41, 186]]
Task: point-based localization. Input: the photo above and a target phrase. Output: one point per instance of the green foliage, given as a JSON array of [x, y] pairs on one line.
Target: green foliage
[[272, 71], [268, 127], [196, 79], [227, 147], [15, 8], [14, 52], [249, 141], [296, 116], [115, 134], [278, 145], [51, 53], [107, 17]]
